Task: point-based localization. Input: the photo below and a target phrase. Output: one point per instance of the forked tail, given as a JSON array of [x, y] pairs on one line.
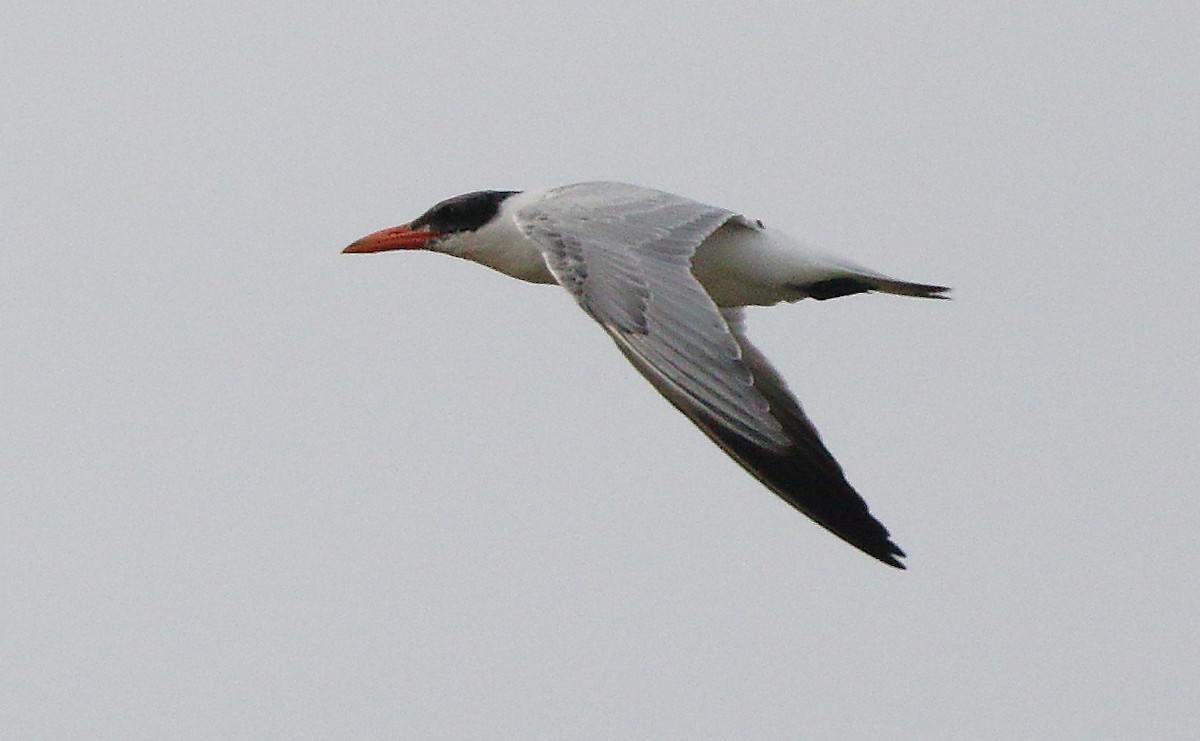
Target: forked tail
[[903, 288], [863, 282]]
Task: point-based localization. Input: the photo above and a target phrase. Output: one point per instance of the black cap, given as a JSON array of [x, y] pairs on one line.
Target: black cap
[[464, 213]]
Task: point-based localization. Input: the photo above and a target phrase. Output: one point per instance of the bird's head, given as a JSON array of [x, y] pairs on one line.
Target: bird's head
[[452, 217]]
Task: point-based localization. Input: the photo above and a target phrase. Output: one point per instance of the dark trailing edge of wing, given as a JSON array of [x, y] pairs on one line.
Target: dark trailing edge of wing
[[828, 500], [806, 476], [629, 268]]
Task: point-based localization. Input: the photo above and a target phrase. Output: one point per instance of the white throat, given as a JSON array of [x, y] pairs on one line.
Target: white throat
[[500, 244]]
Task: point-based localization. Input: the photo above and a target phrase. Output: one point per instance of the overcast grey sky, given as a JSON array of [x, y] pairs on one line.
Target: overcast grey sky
[[253, 488]]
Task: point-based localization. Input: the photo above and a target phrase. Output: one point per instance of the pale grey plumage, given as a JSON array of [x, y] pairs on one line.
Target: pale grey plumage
[[666, 277], [624, 253]]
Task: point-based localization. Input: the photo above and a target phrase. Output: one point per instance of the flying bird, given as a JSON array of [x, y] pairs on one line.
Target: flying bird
[[667, 277]]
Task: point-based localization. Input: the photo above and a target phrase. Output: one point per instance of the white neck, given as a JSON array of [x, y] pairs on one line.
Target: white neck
[[500, 245]]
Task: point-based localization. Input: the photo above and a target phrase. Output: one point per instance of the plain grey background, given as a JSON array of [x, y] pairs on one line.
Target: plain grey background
[[254, 488]]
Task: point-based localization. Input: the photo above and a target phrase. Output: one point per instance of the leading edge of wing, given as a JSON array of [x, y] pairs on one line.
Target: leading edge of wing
[[625, 253], [804, 475]]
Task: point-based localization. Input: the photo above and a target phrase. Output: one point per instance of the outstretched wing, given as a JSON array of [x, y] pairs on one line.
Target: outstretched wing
[[806, 476], [624, 253]]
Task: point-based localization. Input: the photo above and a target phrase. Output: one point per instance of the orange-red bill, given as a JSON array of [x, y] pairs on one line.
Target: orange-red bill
[[401, 237]]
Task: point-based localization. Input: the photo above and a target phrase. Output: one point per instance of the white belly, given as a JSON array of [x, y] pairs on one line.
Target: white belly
[[739, 266]]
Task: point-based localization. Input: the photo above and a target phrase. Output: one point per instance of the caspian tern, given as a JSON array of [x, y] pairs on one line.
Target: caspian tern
[[667, 278]]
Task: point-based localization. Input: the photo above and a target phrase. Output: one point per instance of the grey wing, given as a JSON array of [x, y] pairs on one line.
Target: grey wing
[[806, 476], [624, 253]]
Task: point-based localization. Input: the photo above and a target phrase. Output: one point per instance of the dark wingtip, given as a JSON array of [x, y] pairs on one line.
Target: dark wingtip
[[893, 561], [886, 552]]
